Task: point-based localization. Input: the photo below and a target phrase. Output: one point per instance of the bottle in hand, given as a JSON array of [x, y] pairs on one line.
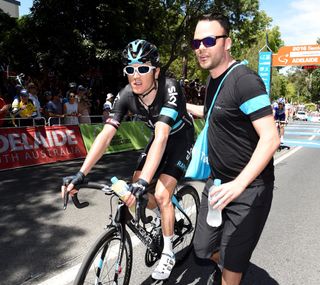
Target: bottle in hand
[[121, 188], [214, 217]]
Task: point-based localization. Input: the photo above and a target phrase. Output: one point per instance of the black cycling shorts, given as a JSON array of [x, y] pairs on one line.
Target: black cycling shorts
[[243, 222], [176, 156]]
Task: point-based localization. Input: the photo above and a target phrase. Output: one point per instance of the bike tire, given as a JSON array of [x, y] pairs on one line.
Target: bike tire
[[188, 199], [109, 242]]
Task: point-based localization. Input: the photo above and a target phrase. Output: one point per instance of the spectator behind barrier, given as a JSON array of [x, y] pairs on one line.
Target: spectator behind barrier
[[24, 109], [70, 110], [84, 105], [33, 95], [107, 107], [4, 110], [54, 109]]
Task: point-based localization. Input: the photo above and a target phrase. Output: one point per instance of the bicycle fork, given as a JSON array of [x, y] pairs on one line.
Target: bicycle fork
[[120, 225]]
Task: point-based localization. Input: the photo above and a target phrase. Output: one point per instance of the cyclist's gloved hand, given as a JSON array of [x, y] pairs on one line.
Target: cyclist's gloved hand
[[66, 181], [73, 179], [139, 187]]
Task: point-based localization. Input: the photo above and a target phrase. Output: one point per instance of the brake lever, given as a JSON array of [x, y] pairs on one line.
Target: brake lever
[[65, 200], [141, 204], [66, 181]]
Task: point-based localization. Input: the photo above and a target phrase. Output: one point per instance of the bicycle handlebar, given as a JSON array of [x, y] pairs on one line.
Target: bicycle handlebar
[[141, 205], [141, 202]]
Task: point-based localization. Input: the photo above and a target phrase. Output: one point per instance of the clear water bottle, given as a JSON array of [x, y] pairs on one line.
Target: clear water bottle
[[214, 217], [121, 188]]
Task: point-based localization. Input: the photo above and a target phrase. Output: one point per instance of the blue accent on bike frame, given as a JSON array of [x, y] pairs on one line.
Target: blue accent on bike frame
[[100, 263], [255, 104], [176, 203], [173, 114]]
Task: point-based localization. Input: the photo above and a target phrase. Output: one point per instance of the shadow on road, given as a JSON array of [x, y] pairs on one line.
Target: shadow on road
[[198, 272], [33, 235]]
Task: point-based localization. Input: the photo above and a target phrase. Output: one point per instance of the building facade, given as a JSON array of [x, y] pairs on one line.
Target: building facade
[[11, 7]]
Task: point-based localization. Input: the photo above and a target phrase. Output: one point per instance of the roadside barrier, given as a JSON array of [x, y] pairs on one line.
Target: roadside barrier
[[21, 147], [26, 146], [23, 122]]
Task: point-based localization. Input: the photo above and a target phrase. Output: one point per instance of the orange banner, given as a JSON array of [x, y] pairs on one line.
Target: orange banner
[[302, 55], [39, 145]]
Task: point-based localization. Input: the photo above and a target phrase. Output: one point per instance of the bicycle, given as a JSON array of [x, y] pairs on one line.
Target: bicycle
[[279, 125], [109, 261]]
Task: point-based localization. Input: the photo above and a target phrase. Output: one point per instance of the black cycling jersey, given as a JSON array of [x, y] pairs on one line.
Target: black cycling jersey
[[169, 106]]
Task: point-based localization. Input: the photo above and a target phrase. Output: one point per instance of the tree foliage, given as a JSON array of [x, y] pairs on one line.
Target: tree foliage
[[77, 38]]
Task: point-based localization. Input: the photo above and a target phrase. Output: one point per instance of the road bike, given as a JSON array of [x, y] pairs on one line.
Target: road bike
[[109, 261], [279, 125]]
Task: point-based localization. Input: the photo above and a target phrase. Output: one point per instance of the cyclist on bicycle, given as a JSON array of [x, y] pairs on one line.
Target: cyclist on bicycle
[[160, 103], [280, 115]]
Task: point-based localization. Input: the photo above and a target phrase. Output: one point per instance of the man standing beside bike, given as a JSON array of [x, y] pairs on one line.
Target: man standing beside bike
[[159, 102], [281, 116]]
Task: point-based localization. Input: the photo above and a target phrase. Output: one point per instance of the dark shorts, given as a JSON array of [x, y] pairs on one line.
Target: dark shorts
[[176, 156], [243, 222]]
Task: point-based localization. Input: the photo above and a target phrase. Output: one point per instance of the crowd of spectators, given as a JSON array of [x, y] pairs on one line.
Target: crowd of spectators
[[35, 104]]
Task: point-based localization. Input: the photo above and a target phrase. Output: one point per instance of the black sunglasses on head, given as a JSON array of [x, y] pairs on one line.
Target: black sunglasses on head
[[207, 42]]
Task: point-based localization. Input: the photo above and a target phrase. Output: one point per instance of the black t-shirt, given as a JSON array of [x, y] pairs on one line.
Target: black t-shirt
[[169, 106], [231, 136]]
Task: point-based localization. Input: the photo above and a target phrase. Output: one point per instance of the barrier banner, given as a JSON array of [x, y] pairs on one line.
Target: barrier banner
[[130, 136], [198, 126], [39, 145]]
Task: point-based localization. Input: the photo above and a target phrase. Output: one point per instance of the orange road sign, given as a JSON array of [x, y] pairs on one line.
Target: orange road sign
[[301, 55]]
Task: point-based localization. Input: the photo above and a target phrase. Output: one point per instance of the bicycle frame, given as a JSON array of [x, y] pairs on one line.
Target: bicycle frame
[[123, 218]]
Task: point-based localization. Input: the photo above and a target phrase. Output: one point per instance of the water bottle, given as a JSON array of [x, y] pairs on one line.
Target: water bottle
[[121, 188], [214, 217]]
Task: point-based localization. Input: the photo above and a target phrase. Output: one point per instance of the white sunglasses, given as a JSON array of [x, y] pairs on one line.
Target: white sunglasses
[[143, 69]]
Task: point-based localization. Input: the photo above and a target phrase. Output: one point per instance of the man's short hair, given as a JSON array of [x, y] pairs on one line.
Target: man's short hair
[[222, 19]]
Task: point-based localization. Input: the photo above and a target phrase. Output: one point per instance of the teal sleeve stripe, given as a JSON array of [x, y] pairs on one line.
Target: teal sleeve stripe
[[177, 125], [173, 114], [255, 104]]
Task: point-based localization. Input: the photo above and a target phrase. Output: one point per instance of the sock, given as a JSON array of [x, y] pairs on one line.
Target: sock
[[281, 139], [167, 245]]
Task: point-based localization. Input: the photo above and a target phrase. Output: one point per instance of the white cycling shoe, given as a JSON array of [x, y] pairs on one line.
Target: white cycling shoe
[[164, 268]]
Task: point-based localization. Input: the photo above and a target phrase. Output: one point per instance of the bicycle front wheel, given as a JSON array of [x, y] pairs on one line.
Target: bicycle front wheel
[[102, 264], [186, 217]]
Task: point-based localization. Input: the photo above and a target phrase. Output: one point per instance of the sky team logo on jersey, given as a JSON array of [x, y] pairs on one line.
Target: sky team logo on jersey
[[172, 96]]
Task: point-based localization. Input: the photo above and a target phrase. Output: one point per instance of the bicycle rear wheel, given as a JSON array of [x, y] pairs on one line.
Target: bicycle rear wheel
[[186, 217], [100, 264]]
